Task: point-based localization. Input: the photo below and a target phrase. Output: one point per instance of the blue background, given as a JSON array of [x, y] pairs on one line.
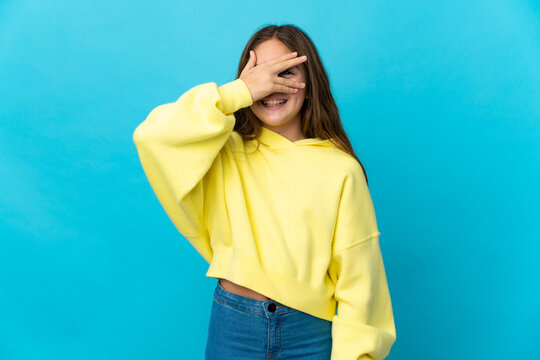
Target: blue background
[[441, 101]]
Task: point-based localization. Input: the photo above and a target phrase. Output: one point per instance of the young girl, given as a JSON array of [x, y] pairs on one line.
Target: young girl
[[260, 177]]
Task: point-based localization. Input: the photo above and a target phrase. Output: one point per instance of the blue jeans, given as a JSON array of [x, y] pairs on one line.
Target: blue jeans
[[243, 328]]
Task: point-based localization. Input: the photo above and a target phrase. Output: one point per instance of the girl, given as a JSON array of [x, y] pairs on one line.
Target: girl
[[260, 177]]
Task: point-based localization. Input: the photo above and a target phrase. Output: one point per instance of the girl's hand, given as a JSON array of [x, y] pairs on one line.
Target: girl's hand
[[263, 79]]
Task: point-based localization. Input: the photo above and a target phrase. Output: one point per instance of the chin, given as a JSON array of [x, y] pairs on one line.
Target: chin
[[276, 119]]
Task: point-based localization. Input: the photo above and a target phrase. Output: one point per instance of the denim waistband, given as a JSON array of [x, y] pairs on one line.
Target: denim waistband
[[266, 307]]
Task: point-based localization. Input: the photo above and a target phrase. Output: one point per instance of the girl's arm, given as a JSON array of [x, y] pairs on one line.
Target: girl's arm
[[177, 145], [364, 325]]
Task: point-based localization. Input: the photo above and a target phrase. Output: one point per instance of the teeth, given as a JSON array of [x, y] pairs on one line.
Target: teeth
[[273, 102]]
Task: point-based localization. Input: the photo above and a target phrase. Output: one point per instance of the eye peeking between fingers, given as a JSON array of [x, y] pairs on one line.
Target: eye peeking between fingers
[[286, 71]]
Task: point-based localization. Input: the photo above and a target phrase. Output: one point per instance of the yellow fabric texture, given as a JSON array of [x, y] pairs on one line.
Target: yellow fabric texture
[[292, 220]]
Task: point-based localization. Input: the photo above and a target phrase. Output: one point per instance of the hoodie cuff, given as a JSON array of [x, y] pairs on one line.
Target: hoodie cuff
[[234, 96]]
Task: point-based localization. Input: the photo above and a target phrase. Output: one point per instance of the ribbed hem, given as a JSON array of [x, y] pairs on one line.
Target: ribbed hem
[[248, 272], [234, 95]]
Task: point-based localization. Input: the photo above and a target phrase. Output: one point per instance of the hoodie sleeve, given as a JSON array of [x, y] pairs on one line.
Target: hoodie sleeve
[[178, 143], [363, 327]]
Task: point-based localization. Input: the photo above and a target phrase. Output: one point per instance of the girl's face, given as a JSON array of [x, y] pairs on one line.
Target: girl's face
[[290, 111]]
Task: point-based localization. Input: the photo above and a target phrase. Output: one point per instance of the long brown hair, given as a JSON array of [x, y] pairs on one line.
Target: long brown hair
[[319, 113]]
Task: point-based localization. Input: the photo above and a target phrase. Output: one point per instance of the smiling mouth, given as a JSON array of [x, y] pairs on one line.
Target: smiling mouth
[[273, 104]]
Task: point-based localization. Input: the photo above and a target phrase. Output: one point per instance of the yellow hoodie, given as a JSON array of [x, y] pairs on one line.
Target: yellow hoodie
[[293, 220]]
